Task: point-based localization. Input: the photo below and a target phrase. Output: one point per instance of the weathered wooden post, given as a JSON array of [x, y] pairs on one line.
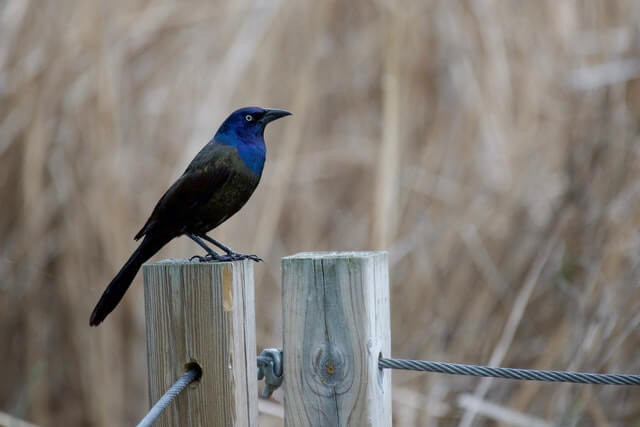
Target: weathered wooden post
[[336, 324], [202, 313]]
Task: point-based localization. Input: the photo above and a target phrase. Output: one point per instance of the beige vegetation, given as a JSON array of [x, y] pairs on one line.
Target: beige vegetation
[[491, 146]]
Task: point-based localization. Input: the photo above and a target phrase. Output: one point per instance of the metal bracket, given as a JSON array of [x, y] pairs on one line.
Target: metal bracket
[[270, 368]]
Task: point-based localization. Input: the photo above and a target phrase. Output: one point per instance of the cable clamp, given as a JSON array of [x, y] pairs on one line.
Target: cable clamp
[[270, 368]]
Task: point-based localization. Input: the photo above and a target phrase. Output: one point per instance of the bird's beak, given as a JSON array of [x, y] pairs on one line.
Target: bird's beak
[[274, 114]]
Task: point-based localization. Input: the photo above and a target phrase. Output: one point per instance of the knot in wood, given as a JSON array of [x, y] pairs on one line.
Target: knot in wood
[[330, 366]]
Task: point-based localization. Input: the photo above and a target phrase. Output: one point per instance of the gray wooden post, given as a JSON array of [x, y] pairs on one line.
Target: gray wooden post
[[202, 313], [336, 324]]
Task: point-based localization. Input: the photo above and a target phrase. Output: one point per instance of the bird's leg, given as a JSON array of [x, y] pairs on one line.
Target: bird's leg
[[211, 254], [231, 254]]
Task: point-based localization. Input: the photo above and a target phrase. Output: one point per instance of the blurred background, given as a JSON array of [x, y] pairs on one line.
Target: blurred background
[[490, 146]]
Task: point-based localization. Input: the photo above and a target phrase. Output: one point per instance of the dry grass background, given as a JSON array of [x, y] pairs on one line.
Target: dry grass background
[[491, 146]]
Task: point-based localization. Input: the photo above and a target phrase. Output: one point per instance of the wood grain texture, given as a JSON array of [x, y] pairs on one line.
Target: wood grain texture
[[336, 324], [204, 313]]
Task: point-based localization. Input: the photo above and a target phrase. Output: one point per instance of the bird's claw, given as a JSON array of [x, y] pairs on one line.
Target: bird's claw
[[253, 257], [233, 256]]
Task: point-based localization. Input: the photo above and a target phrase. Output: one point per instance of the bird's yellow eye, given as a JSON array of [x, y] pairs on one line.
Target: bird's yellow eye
[[248, 117]]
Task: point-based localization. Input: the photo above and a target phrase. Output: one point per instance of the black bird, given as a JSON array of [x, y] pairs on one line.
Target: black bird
[[215, 185]]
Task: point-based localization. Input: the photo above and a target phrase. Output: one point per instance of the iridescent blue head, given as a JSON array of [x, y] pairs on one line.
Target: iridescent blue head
[[244, 129]]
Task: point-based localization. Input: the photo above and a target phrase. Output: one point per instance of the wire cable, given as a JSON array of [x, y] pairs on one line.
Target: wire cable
[[509, 373], [190, 376]]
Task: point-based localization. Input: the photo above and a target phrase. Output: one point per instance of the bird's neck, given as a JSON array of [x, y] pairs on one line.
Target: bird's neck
[[252, 151]]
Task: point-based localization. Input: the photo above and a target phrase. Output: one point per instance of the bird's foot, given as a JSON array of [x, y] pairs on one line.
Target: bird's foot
[[234, 256], [206, 258]]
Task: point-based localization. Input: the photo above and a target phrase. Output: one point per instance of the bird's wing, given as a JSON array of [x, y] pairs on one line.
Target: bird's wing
[[206, 173]]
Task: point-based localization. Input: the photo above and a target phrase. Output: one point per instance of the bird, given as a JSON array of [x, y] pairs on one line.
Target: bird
[[214, 186]]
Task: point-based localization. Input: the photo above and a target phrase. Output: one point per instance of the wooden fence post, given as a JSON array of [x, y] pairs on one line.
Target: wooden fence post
[[336, 324], [202, 313]]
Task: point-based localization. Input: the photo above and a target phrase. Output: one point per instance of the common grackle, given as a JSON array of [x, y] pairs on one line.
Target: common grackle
[[215, 185]]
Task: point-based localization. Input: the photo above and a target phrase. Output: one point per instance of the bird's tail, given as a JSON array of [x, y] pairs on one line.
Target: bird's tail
[[119, 285]]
